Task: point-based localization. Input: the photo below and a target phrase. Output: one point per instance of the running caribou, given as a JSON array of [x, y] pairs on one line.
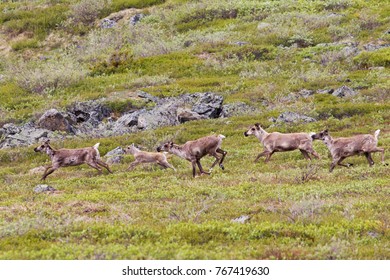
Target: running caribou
[[147, 157], [282, 142], [341, 148], [71, 157], [194, 150]]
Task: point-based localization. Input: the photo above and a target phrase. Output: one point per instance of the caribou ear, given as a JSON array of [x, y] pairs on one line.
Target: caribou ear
[[257, 125], [326, 132]]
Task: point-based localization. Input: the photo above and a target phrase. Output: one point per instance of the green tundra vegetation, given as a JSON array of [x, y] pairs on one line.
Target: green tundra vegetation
[[54, 52]]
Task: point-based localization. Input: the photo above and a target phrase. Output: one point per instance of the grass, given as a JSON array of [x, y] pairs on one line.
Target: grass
[[158, 214], [257, 52]]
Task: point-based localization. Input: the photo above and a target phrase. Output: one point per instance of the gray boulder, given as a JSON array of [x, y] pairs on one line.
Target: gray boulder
[[44, 188], [305, 93], [241, 220], [291, 117], [325, 91], [204, 105], [185, 115], [208, 105], [107, 23], [344, 91], [136, 18], [14, 136], [162, 115], [115, 156], [54, 120], [93, 111], [130, 119], [10, 128]]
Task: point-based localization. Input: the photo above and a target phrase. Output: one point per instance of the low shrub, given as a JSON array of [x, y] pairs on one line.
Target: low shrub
[[379, 57], [25, 44], [116, 62], [46, 76], [85, 12]]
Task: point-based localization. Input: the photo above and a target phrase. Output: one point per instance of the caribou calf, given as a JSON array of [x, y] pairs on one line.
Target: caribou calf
[[280, 142], [147, 157], [194, 150], [71, 157], [341, 148]]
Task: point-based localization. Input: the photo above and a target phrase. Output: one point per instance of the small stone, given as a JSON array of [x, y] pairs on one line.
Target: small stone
[[344, 91], [115, 156], [37, 170], [107, 23], [44, 188], [241, 220]]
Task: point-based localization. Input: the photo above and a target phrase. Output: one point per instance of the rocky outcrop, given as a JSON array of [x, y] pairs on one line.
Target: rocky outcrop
[[186, 115], [93, 118], [54, 120], [14, 136], [114, 156], [92, 112], [344, 91]]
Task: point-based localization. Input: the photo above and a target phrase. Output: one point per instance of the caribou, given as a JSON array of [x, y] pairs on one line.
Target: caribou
[[282, 142], [194, 150]]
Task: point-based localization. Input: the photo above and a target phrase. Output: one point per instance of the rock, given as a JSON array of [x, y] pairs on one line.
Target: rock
[[349, 51], [209, 105], [25, 135], [263, 25], [115, 156], [241, 43], [291, 117], [130, 119], [136, 18], [305, 93], [375, 46], [344, 91], [107, 23], [44, 188], [93, 118], [93, 111], [237, 109], [37, 170], [54, 120], [185, 115], [10, 129], [242, 219], [325, 91], [161, 115], [147, 96]]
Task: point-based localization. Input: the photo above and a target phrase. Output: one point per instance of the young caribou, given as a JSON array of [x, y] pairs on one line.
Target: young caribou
[[147, 157], [280, 142], [71, 157], [341, 148], [193, 151]]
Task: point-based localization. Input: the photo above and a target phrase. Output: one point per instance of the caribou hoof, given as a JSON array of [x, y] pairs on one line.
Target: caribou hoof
[[222, 167], [349, 164]]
